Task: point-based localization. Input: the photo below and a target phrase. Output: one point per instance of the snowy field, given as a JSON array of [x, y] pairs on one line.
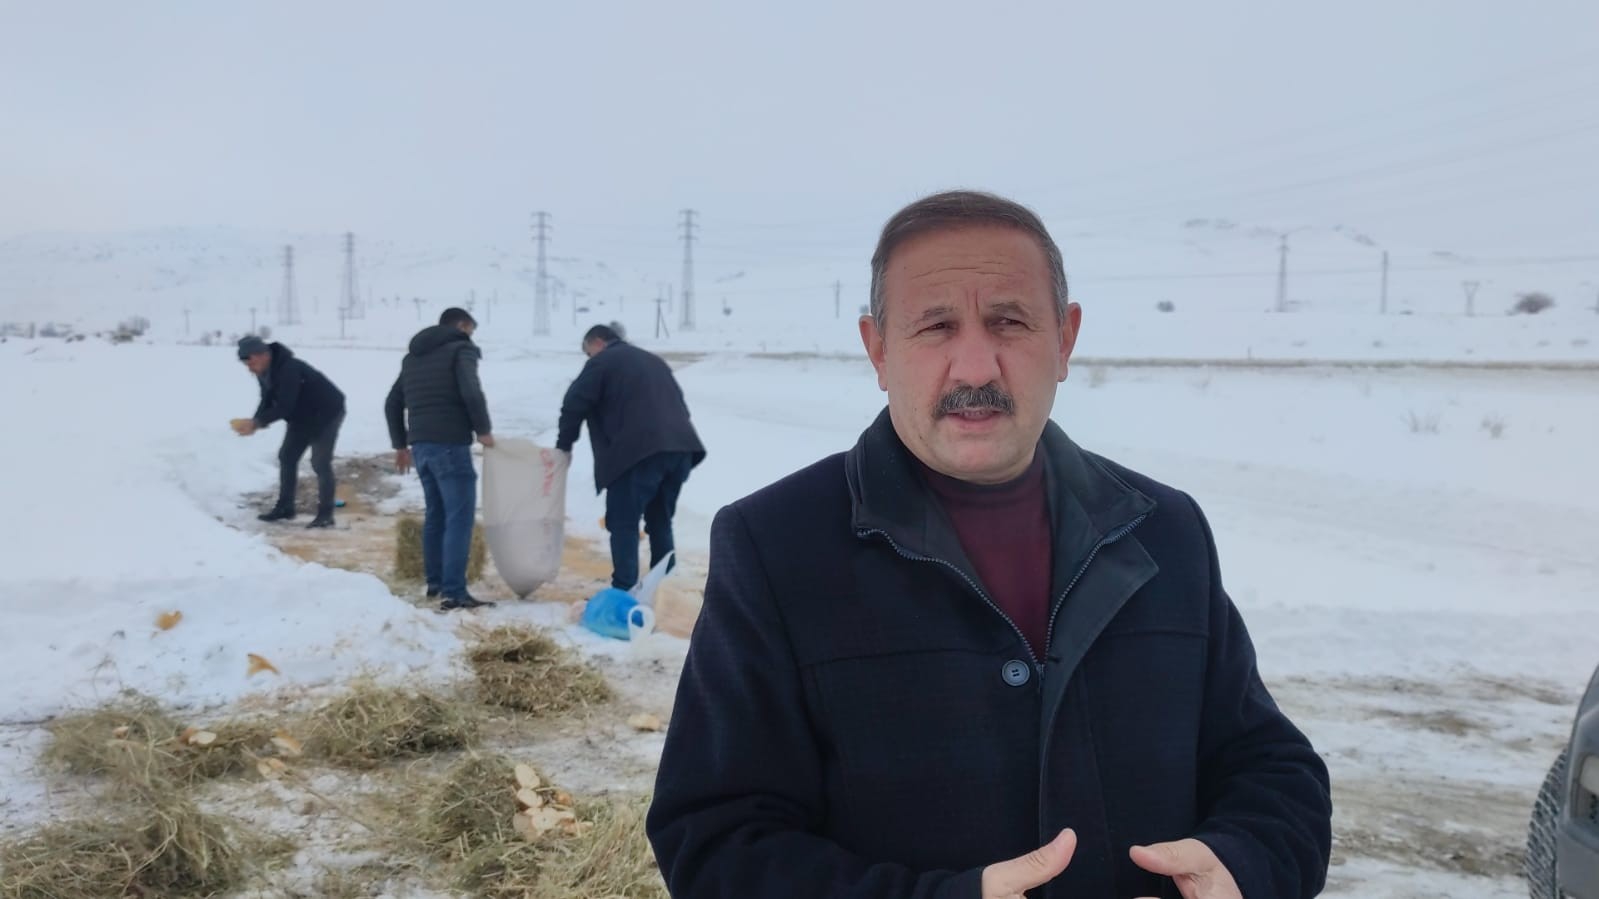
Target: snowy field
[[1412, 548]]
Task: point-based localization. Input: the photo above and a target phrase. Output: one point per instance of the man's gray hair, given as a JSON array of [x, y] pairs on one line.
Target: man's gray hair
[[959, 209]]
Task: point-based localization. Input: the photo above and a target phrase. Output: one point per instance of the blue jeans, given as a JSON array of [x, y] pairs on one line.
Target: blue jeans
[[449, 482], [649, 490]]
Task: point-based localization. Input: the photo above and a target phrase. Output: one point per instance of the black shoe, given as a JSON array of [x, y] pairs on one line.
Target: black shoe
[[433, 593], [464, 601], [277, 515], [321, 521]]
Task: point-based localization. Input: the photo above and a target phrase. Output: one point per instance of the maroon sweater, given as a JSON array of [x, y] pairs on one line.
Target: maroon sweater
[[1004, 529]]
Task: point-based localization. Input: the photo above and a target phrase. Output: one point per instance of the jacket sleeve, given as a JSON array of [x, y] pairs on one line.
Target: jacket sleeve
[[1264, 795], [739, 794], [264, 414], [580, 400], [394, 413], [466, 380], [286, 386]]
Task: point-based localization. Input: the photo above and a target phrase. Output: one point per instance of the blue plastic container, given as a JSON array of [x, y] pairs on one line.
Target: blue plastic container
[[610, 611]]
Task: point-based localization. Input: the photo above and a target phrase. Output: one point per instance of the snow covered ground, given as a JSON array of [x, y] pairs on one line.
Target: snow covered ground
[[1412, 548]]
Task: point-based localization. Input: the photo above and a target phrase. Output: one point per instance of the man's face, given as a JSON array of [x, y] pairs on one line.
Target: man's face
[[469, 327], [971, 349], [592, 347], [257, 363]]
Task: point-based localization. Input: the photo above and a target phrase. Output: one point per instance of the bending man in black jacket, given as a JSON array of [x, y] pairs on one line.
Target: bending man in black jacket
[[311, 408], [434, 408], [969, 658], [644, 445]]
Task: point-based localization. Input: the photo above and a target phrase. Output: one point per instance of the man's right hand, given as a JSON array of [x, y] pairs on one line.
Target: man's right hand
[[1009, 880], [486, 439], [402, 460]]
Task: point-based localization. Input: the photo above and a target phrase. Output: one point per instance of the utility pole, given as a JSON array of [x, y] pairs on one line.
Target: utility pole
[[688, 269], [660, 316], [541, 295], [252, 319], [185, 321], [1282, 275], [418, 302], [350, 301], [838, 287], [1383, 307], [1471, 296], [288, 308]]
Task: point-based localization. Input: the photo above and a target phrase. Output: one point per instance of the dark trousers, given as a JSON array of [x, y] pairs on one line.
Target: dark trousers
[[648, 490], [449, 485], [295, 443]]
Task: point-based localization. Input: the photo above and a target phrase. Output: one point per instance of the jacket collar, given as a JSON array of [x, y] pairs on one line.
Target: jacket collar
[[1087, 501]]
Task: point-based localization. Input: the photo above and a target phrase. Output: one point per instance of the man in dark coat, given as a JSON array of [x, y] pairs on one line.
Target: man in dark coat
[[434, 408], [969, 658], [311, 408], [644, 445]]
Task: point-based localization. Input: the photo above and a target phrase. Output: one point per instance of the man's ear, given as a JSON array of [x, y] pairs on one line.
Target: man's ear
[[876, 348]]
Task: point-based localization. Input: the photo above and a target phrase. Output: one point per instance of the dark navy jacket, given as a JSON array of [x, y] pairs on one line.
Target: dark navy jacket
[[634, 409], [297, 394], [857, 719]]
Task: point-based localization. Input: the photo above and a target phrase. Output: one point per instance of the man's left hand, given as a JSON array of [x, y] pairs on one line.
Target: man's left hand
[[244, 427], [1198, 873]]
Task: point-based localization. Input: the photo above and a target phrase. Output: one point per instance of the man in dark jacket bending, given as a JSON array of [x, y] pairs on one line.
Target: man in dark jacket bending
[[311, 409], [969, 658], [433, 409], [644, 445]]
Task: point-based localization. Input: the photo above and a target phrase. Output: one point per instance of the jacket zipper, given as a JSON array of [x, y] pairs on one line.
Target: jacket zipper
[[1108, 539], [1038, 666]]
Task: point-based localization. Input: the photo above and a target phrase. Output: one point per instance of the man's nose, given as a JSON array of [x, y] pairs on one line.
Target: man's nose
[[974, 358]]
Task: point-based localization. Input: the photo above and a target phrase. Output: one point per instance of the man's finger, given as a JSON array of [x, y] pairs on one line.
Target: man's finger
[[1175, 859], [1036, 868]]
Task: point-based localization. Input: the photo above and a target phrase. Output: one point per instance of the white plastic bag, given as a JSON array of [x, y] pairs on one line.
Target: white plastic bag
[[524, 511]]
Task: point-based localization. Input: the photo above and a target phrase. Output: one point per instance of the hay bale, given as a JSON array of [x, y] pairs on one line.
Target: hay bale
[[135, 743], [408, 552], [524, 668], [163, 846], [371, 725]]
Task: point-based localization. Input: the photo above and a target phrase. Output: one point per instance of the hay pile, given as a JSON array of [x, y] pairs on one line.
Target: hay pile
[[136, 742], [469, 818], [161, 845], [408, 552], [524, 668], [371, 725], [613, 860], [469, 807]]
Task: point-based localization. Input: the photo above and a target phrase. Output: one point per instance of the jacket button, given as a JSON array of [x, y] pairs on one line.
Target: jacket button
[[1016, 672]]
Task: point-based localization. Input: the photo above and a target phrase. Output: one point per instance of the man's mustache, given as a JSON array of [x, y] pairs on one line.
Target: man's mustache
[[987, 398]]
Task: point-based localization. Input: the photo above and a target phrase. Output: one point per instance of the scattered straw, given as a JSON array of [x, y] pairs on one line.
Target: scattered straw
[[470, 806], [136, 743], [611, 861], [526, 669], [467, 818], [162, 846], [371, 725], [408, 552]]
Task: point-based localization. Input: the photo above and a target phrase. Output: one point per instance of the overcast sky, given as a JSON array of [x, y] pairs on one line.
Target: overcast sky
[[1470, 123]]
